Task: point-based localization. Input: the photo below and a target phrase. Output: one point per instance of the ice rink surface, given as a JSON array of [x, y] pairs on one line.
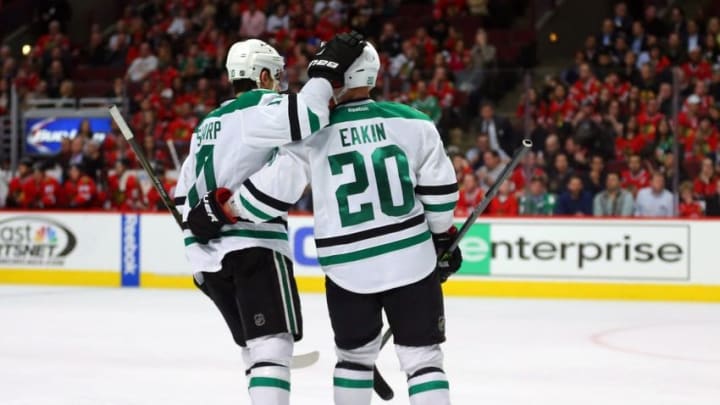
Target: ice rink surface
[[125, 346]]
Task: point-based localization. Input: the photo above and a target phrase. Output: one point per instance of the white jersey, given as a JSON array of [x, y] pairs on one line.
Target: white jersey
[[381, 183], [230, 144]]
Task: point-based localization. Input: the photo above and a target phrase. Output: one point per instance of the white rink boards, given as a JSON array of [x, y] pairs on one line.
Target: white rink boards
[[67, 346]]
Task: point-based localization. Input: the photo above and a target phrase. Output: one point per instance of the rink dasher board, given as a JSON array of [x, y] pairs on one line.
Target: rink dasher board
[[520, 257]]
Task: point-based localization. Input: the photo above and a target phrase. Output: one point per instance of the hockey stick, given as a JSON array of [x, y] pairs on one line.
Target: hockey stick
[[299, 361], [130, 138], [382, 388]]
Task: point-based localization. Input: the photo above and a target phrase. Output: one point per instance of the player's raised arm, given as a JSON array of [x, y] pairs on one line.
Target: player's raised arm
[[292, 117], [270, 193]]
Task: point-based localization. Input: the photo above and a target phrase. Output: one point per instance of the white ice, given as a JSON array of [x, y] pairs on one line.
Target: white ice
[[67, 346]]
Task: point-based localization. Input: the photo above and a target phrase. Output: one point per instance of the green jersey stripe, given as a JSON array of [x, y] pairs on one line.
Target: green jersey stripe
[[269, 382], [289, 305], [374, 251], [245, 233], [348, 383], [428, 386], [193, 197], [314, 121], [378, 109], [245, 100], [440, 207], [254, 210]]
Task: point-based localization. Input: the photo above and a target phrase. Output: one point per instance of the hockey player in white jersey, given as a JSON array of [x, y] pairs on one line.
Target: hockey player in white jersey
[[384, 192], [244, 267]]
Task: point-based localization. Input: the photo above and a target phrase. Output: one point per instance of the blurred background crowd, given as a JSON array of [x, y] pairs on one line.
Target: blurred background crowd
[[628, 125]]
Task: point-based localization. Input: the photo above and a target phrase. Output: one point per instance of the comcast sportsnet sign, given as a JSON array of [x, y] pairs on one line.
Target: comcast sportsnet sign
[[587, 249], [35, 241]]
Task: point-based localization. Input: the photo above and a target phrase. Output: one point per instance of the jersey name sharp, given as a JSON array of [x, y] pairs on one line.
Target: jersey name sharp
[[208, 132]]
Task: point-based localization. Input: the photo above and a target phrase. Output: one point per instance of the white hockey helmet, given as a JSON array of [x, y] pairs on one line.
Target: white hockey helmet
[[246, 59], [363, 72]]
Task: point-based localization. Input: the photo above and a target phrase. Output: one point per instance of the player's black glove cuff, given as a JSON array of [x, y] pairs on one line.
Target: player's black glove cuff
[[336, 56], [448, 263], [207, 218]]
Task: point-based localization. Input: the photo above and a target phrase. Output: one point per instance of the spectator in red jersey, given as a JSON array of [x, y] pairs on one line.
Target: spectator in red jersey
[[689, 119], [53, 39], [587, 87], [696, 68], [79, 189], [15, 188], [706, 138], [180, 129], [689, 207], [470, 195], [154, 203], [635, 177], [442, 88], [706, 100], [632, 142], [425, 45], [124, 188], [505, 204], [705, 185], [649, 119], [560, 109], [459, 58], [42, 191]]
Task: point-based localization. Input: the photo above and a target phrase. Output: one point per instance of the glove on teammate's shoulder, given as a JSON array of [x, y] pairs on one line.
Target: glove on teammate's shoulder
[[449, 263], [208, 216], [336, 56]]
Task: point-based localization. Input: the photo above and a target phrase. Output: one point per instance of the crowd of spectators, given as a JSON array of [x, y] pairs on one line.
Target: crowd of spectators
[[172, 54], [602, 128]]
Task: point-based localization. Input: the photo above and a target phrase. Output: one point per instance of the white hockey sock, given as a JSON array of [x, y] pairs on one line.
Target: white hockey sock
[[429, 388], [269, 385], [352, 384]]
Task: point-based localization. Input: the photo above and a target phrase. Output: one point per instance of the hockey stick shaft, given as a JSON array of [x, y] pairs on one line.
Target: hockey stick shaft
[[381, 387], [130, 138], [492, 192]]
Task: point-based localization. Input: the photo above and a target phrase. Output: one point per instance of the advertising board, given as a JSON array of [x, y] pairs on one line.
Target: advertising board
[[59, 248], [642, 259]]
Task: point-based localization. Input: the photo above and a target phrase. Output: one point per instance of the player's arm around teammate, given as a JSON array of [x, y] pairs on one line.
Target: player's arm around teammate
[[384, 193], [244, 267]]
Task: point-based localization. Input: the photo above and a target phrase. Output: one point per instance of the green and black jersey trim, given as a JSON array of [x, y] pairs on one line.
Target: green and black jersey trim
[[244, 233], [266, 199], [440, 207], [437, 190], [380, 109], [374, 250], [370, 233]]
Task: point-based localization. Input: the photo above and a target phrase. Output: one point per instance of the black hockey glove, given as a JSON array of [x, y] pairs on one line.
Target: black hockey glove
[[336, 56], [449, 263], [208, 216]]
